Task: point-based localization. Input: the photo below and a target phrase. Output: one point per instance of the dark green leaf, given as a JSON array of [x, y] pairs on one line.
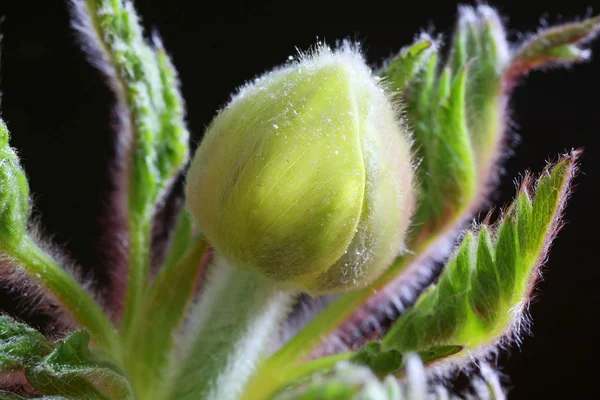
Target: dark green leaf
[[11, 396], [381, 363], [20, 345], [73, 370], [439, 352]]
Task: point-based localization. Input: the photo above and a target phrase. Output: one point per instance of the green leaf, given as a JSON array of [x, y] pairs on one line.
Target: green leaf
[[381, 363], [14, 196], [65, 369], [486, 52], [349, 381], [495, 278], [438, 352], [455, 159], [456, 129], [485, 293], [30, 261], [346, 382], [148, 82], [524, 216], [403, 68], [557, 44], [20, 345], [73, 370], [146, 85], [454, 177], [11, 396], [507, 251], [181, 239]]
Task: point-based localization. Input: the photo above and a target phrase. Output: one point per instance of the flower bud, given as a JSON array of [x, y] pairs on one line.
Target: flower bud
[[306, 176]]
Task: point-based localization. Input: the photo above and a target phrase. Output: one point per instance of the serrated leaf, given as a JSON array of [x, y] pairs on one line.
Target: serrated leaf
[[455, 162], [146, 85], [65, 369], [492, 305], [507, 251], [524, 218], [73, 370], [485, 96], [20, 345], [457, 129], [484, 296], [144, 75], [459, 275], [405, 66], [481, 49], [554, 45]]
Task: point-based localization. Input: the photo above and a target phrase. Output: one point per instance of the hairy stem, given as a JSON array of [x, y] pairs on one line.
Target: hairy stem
[[41, 267], [268, 386], [139, 270], [236, 318], [164, 310]]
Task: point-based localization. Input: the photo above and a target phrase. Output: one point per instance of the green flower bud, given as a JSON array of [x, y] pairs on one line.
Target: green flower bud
[[306, 176]]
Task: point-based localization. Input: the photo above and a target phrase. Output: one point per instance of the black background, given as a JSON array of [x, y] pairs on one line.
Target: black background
[[57, 108]]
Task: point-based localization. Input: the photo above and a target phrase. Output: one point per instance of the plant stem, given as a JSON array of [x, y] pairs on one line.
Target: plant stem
[[139, 267], [237, 316], [268, 386], [42, 268], [164, 309]]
